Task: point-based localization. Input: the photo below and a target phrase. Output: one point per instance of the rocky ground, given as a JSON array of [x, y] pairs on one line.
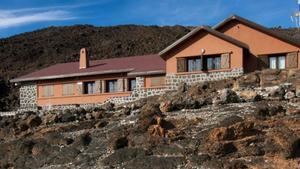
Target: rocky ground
[[249, 122]]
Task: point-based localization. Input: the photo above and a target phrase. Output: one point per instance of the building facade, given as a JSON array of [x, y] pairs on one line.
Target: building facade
[[230, 49]]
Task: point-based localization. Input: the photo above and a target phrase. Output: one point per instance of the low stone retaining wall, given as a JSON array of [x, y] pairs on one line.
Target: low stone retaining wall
[[137, 94], [13, 113], [173, 80], [10, 113]]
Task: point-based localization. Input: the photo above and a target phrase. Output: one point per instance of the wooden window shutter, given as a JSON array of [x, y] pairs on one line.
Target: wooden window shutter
[[263, 62], [80, 88], [225, 61], [292, 60], [126, 84], [181, 65], [103, 86], [98, 86], [120, 84], [157, 81]]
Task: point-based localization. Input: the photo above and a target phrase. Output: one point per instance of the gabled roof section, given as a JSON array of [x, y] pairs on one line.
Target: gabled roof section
[[210, 31], [257, 27], [134, 65]]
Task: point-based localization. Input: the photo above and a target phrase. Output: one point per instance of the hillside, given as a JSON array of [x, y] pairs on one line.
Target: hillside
[[30, 51], [250, 122]]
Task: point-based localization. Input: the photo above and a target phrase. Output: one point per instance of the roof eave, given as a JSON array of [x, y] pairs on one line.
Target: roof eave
[[196, 30], [256, 26], [167, 49], [69, 75]]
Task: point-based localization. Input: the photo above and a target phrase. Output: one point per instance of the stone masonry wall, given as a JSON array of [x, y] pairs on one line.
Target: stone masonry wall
[[140, 82], [173, 80], [136, 95], [28, 96]]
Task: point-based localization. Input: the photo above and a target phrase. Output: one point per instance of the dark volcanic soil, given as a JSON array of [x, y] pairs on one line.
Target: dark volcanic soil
[[229, 124]]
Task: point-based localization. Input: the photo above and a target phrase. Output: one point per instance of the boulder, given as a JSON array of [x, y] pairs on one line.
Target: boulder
[[275, 92], [118, 143], [148, 114], [222, 133], [108, 106], [182, 87], [251, 79], [283, 141], [165, 106], [88, 116], [33, 121], [49, 118], [226, 96], [264, 111], [298, 90], [123, 155], [97, 114], [221, 149], [101, 124], [67, 117], [233, 132], [249, 95], [289, 95], [272, 77]]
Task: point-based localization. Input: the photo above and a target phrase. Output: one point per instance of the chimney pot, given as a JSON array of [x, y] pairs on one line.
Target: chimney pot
[[84, 59]]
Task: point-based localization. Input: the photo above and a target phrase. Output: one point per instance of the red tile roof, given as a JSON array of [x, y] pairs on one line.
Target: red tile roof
[[135, 65]]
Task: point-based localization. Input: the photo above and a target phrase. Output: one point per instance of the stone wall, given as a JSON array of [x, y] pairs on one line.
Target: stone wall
[[28, 96], [173, 80], [136, 95], [140, 82]]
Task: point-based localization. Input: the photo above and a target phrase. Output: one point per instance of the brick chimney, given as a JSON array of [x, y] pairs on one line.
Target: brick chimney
[[84, 59]]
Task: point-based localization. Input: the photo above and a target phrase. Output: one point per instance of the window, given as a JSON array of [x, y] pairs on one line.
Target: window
[[111, 86], [131, 84], [48, 91], [68, 89], [157, 81], [212, 62], [194, 64], [89, 87], [277, 62]]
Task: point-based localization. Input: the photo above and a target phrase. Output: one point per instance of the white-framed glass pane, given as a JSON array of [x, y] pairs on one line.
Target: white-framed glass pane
[[194, 64], [209, 63], [281, 62], [132, 84], [190, 65], [273, 62], [217, 62], [198, 64], [112, 86]]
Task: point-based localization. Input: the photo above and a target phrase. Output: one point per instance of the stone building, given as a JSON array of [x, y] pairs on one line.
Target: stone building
[[230, 49]]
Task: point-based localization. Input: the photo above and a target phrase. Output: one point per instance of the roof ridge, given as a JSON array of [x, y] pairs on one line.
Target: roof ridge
[[208, 29]]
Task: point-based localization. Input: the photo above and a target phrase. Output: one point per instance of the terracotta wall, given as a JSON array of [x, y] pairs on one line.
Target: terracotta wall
[[259, 43], [211, 44], [59, 99]]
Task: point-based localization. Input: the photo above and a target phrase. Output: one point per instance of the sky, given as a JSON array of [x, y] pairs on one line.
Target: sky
[[18, 16]]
